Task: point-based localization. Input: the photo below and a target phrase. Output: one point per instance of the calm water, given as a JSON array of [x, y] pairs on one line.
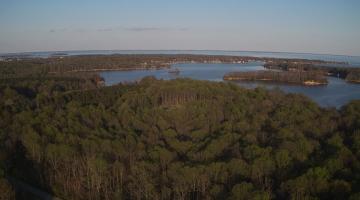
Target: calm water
[[335, 94], [211, 72]]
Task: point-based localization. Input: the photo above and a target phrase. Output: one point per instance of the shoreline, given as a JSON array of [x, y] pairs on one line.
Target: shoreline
[[305, 83], [103, 63], [304, 78]]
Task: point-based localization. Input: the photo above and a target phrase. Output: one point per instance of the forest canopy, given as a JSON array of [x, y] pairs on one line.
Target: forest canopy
[[178, 139]]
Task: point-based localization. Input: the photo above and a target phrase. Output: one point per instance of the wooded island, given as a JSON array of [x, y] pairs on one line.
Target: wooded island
[[343, 71], [303, 78]]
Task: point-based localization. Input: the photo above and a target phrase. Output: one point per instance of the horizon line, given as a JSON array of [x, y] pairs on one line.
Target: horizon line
[[255, 51]]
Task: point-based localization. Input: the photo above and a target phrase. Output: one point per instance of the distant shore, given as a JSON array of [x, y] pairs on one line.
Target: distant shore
[[303, 78], [59, 64]]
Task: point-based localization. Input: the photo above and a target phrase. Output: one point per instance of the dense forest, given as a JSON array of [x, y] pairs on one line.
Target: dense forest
[[179, 139], [66, 134]]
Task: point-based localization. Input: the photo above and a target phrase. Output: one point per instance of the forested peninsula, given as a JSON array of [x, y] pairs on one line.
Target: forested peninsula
[[340, 70], [65, 133], [308, 78]]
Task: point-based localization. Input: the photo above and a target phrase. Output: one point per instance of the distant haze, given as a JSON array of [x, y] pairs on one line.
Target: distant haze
[[321, 26]]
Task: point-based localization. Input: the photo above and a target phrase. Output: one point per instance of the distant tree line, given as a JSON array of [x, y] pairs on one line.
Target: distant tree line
[[353, 76], [294, 77], [343, 71], [93, 63]]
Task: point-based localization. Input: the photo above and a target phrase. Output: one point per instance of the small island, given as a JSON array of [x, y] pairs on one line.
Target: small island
[[308, 78], [350, 74], [353, 76]]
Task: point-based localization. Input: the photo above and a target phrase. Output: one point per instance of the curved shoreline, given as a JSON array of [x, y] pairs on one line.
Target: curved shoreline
[[302, 78]]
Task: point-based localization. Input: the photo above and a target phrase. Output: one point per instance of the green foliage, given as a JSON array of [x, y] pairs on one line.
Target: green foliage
[[179, 139]]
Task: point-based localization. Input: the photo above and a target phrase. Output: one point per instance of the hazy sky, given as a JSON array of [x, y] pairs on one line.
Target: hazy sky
[[315, 26]]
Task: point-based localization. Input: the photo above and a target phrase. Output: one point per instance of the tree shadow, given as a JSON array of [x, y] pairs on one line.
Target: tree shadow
[[25, 177]]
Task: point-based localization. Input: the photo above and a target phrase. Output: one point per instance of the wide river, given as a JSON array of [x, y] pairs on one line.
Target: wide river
[[335, 94]]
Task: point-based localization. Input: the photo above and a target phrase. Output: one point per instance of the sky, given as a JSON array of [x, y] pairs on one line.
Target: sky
[[308, 26]]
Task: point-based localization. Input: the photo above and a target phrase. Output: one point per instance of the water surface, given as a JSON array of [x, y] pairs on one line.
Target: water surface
[[335, 94]]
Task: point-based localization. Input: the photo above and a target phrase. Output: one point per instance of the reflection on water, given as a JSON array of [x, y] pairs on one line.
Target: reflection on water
[[211, 72], [335, 94]]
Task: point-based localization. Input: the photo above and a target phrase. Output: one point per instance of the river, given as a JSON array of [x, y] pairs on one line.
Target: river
[[335, 94]]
